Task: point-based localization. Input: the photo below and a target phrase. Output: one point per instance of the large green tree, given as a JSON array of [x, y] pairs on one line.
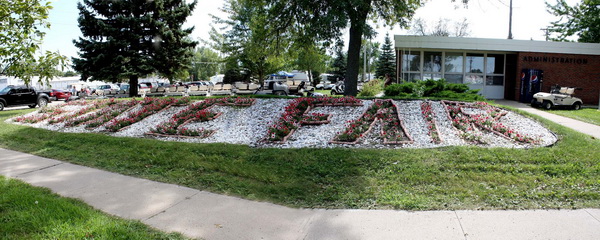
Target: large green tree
[[247, 40], [312, 20], [339, 64], [311, 58], [318, 19], [131, 38], [582, 20], [386, 64], [21, 34], [206, 63]]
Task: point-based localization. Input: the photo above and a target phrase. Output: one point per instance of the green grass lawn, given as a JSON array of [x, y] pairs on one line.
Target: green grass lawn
[[588, 115], [28, 212], [566, 175]]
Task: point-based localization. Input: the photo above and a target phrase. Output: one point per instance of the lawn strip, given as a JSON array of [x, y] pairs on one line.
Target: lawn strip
[[566, 175]]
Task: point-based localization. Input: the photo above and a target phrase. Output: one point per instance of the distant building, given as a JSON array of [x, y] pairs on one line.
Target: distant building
[[55, 83], [502, 68]]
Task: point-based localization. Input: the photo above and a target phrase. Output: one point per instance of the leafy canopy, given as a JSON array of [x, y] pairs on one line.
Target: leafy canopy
[[250, 45], [21, 25], [582, 20]]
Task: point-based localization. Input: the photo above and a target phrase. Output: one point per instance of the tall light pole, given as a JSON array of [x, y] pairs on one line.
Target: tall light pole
[[510, 36]]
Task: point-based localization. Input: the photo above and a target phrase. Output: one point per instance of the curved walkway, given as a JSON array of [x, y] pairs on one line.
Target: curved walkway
[[583, 127], [200, 214]]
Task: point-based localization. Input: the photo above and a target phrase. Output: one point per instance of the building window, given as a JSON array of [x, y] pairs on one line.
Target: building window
[[455, 67], [411, 61], [475, 63], [494, 69], [411, 66], [454, 78], [453, 62], [495, 64]]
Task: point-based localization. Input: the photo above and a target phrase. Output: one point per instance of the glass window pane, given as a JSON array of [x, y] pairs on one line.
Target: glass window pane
[[495, 64], [433, 62], [454, 62], [454, 78], [494, 80], [411, 61], [474, 63], [411, 77], [473, 79], [433, 76]]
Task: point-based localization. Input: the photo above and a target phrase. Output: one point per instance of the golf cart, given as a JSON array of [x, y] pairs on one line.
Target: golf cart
[[283, 83], [558, 96]]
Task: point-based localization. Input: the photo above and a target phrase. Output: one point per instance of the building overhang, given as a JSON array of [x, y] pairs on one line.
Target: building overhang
[[497, 45]]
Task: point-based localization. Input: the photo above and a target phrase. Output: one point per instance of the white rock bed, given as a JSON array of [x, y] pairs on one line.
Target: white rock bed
[[249, 126]]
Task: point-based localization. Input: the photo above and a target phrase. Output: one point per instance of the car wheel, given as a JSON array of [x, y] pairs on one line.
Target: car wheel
[[279, 93], [576, 106], [547, 105], [42, 102], [333, 93], [1, 106]]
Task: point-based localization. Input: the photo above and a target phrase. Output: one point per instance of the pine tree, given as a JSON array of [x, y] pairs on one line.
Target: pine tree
[[339, 64], [386, 65], [133, 38]]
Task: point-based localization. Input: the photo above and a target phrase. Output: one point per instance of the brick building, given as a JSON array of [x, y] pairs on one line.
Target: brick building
[[496, 66]]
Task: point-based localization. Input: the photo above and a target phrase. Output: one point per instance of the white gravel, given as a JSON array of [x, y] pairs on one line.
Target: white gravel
[[248, 125]]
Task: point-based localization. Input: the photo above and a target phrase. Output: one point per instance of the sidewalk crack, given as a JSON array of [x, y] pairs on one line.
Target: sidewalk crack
[[461, 226], [40, 169], [591, 215], [175, 204]]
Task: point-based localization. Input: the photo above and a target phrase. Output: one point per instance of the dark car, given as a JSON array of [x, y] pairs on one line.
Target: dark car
[[57, 94], [23, 95]]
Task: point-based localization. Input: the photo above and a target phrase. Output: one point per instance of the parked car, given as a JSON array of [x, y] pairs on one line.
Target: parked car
[[558, 96], [23, 95], [57, 94]]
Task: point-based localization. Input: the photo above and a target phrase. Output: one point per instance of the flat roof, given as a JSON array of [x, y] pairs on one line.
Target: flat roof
[[501, 45]]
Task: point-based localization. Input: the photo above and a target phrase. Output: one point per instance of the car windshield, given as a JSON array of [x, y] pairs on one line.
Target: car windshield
[[5, 90]]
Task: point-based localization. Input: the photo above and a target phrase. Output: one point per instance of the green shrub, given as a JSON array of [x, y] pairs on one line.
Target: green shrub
[[457, 87], [433, 88], [371, 88], [392, 89]]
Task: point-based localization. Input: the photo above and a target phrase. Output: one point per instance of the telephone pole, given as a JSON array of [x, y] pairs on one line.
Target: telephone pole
[[510, 36]]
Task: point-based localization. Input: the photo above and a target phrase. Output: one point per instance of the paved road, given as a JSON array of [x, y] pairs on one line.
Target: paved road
[[200, 214]]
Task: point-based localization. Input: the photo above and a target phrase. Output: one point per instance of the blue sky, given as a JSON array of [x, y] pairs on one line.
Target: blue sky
[[487, 18]]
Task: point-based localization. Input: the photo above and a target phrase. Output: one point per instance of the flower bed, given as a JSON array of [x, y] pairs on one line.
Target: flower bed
[[430, 120], [45, 114], [112, 108], [294, 115], [95, 105], [197, 112], [149, 106], [393, 130], [316, 119], [466, 122]]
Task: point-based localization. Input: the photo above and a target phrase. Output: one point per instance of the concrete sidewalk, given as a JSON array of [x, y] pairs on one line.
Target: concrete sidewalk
[[583, 127], [200, 214]]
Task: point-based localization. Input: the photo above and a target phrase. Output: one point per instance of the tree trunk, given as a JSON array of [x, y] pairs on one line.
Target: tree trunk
[[351, 81], [133, 86]]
